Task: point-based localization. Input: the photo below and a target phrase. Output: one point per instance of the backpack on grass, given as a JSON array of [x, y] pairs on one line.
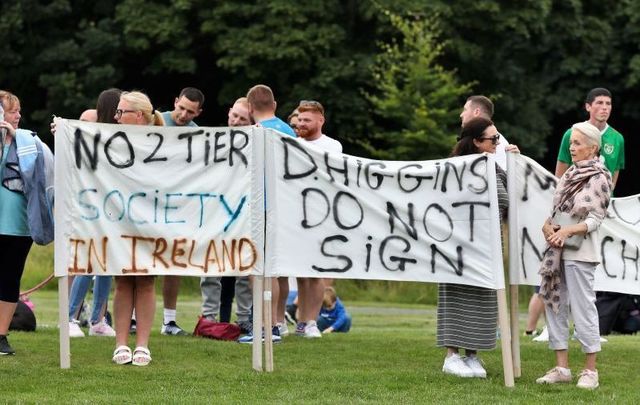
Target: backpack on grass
[[216, 330]]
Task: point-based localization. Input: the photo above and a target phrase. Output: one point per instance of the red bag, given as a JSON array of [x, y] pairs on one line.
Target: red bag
[[216, 330]]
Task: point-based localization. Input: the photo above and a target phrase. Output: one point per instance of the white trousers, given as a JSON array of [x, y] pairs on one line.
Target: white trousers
[[576, 292]]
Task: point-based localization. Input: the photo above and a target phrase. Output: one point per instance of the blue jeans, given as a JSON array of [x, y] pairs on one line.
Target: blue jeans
[[79, 288], [324, 323]]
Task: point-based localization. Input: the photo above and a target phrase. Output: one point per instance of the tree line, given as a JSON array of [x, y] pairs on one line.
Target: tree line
[[392, 74]]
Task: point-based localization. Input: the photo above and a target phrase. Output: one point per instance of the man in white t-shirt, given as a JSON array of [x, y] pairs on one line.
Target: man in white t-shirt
[[481, 106], [311, 290]]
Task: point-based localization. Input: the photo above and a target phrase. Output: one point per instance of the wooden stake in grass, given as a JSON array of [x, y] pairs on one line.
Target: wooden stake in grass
[[258, 285], [63, 321]]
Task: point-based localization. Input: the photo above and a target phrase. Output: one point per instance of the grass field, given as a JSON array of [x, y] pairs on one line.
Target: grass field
[[388, 357]]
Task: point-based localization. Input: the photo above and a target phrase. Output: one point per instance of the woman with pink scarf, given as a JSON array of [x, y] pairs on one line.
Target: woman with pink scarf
[[570, 259]]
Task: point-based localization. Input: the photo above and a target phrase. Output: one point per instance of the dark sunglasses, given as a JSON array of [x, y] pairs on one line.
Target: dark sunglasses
[[494, 139]]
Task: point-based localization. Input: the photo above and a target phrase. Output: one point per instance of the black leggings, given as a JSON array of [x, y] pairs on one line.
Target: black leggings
[[13, 255]]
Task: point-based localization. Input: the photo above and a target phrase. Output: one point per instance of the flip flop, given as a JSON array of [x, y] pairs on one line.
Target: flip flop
[[122, 355], [141, 356]]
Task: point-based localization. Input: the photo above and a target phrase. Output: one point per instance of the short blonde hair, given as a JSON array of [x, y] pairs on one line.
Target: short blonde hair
[[330, 297], [141, 102], [8, 100]]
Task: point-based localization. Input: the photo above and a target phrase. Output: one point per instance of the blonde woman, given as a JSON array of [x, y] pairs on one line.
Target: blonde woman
[[134, 108]]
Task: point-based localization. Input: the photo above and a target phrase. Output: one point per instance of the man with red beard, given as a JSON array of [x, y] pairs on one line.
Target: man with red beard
[[311, 290]]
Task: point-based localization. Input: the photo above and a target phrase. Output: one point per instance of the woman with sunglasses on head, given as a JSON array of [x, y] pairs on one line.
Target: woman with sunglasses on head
[[467, 315], [134, 108]]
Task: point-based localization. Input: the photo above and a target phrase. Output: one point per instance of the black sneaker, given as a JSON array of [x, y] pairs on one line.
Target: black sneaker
[[245, 326], [5, 348], [173, 329], [133, 328]]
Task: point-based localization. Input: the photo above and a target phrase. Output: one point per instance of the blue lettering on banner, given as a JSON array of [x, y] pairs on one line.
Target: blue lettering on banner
[[159, 208]]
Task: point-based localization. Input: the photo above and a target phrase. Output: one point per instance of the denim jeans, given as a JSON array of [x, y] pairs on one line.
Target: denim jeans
[[79, 288]]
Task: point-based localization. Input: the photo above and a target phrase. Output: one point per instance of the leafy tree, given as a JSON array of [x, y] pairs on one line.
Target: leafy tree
[[417, 99], [57, 56]]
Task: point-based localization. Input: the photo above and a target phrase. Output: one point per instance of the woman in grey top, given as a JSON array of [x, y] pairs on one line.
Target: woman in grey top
[[467, 315], [569, 262]]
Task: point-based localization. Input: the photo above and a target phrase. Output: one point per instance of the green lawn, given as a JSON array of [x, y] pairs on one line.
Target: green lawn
[[389, 357]]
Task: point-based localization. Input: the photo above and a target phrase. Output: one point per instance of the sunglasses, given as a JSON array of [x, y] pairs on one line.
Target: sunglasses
[[119, 112], [494, 139]]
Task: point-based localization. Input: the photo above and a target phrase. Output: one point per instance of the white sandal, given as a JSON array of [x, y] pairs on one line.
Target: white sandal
[[141, 356], [122, 355]]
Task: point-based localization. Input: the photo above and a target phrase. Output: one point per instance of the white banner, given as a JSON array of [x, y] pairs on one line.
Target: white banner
[[339, 216], [136, 200], [531, 189]]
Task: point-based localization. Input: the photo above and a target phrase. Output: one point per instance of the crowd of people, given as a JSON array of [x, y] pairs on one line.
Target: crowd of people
[[590, 158]]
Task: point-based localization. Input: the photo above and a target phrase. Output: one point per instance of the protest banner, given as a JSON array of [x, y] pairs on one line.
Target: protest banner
[[140, 200], [340, 216], [157, 200], [531, 189]]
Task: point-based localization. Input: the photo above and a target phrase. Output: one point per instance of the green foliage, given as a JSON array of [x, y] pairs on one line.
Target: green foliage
[[535, 58], [417, 99]]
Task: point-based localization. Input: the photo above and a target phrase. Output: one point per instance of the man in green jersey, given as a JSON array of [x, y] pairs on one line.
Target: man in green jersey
[[598, 105]]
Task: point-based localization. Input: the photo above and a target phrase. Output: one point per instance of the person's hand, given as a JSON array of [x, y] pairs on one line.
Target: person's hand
[[512, 148], [11, 131], [53, 125], [557, 238], [548, 228], [328, 330]]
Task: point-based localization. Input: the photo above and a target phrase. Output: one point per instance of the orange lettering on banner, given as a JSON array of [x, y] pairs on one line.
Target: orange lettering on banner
[[177, 252], [211, 248], [193, 247], [92, 248], [90, 251], [75, 269], [161, 246], [228, 254], [134, 242], [254, 254]]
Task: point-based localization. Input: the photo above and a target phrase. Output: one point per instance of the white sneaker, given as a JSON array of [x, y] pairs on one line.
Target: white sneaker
[[555, 375], [74, 329], [588, 380], [101, 329], [282, 327], [474, 363], [543, 336], [456, 366], [311, 330]]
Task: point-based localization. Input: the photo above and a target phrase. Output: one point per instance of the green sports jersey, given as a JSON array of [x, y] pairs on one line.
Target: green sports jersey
[[611, 148]]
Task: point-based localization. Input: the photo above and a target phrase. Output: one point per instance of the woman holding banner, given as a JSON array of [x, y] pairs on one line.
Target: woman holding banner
[[568, 265], [134, 108], [467, 315]]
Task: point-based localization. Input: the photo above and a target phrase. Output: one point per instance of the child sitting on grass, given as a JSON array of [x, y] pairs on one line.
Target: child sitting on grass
[[333, 317]]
